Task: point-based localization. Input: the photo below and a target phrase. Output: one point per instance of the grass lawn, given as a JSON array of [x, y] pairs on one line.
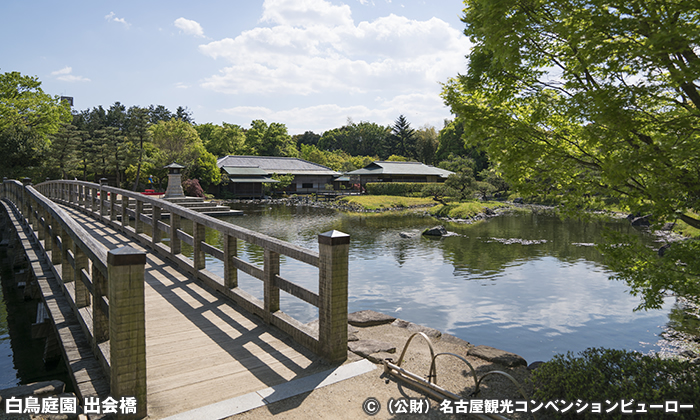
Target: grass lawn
[[376, 202]]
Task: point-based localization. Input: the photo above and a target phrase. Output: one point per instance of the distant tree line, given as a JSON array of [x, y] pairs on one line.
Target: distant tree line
[[41, 138]]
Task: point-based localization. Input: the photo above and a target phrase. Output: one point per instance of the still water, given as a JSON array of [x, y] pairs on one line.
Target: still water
[[527, 283]]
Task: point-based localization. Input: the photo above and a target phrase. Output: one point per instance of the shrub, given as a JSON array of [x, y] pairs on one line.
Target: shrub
[[192, 188], [600, 375], [397, 188]]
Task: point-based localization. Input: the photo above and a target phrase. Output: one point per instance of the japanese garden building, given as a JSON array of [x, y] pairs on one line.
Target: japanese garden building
[[246, 174]]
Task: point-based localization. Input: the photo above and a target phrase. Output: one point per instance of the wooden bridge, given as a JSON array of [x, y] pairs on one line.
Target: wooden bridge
[[137, 318]]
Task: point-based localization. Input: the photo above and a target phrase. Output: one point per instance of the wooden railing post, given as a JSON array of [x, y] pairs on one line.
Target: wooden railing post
[[138, 224], [125, 211], [41, 222], [198, 235], [81, 196], [230, 271], [56, 254], [103, 201], [82, 294], [155, 232], [93, 200], [127, 326], [175, 244], [66, 267], [333, 248], [113, 206], [100, 324], [270, 291]]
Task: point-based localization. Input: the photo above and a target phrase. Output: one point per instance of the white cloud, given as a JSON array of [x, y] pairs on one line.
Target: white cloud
[[111, 17], [189, 27], [426, 108], [334, 55], [306, 13], [65, 75]]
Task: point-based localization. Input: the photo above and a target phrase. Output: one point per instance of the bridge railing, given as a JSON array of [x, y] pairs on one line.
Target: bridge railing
[[105, 289], [117, 207]]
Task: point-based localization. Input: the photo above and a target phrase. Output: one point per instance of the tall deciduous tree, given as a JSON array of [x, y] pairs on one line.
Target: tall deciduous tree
[[222, 140], [591, 98], [28, 116], [177, 141], [270, 140]]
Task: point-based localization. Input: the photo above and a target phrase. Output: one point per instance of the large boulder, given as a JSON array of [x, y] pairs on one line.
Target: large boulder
[[435, 231]]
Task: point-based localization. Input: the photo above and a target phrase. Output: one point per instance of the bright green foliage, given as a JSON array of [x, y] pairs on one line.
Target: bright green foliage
[[598, 375], [24, 104], [397, 158], [585, 99], [269, 140], [177, 141], [426, 144], [396, 188], [27, 117], [357, 139], [642, 267], [222, 140]]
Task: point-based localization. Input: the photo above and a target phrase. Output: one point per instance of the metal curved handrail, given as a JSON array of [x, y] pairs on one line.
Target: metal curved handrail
[[433, 369], [405, 347]]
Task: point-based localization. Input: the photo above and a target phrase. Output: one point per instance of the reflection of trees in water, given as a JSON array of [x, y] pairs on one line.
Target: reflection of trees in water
[[568, 240]]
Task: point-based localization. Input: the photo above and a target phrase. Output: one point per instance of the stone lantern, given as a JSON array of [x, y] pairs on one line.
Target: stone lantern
[[174, 181]]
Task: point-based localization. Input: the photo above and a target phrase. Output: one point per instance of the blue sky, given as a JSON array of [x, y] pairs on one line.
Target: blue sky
[[310, 64]]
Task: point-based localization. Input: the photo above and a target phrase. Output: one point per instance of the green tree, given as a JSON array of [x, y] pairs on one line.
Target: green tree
[[61, 160], [270, 140], [462, 180], [177, 141], [137, 123], [222, 140], [28, 116], [426, 144], [308, 138], [403, 138], [590, 99]]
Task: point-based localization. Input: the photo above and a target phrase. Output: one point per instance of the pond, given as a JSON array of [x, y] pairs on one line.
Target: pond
[[528, 283]]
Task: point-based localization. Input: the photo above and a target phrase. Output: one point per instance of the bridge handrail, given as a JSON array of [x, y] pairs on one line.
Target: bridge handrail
[[331, 338], [285, 248], [105, 298]]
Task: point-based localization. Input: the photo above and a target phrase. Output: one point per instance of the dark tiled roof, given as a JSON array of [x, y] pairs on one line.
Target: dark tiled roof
[[279, 165], [401, 168]]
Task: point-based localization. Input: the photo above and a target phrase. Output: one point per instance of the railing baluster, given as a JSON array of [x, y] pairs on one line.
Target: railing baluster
[[155, 231], [66, 267], [175, 244], [198, 235], [125, 211], [230, 271], [271, 291], [138, 224], [82, 294]]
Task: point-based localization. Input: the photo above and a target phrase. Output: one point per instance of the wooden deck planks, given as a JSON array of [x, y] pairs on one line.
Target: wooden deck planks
[[201, 348]]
